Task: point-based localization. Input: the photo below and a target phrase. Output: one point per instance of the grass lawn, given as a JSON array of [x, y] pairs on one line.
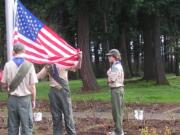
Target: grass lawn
[[138, 92]]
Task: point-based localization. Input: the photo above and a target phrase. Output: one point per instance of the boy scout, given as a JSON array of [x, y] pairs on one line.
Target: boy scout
[[116, 83], [59, 96], [19, 77]]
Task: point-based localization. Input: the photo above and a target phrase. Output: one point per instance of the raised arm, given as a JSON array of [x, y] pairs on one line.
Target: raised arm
[[79, 60], [42, 74], [78, 65]]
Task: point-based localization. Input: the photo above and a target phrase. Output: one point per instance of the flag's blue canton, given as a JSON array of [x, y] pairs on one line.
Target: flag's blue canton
[[27, 24]]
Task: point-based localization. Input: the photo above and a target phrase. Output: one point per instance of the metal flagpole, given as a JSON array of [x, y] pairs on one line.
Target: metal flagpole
[[9, 6], [10, 12]]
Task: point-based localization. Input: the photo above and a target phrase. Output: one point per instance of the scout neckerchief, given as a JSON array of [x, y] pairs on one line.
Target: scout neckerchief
[[18, 60]]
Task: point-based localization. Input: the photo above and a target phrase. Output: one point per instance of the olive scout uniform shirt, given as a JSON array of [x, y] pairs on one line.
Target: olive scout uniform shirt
[[23, 89], [63, 73], [116, 75]]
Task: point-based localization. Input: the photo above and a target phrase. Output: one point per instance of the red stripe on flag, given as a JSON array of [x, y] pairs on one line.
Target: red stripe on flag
[[55, 43], [34, 54], [59, 38], [31, 46], [48, 47]]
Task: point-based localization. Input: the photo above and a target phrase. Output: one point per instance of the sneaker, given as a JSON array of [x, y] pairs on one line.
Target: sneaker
[[114, 133]]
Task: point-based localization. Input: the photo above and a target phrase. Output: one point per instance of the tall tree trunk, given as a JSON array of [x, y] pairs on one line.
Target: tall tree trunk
[[166, 60], [129, 58], [106, 31], [159, 69], [123, 50], [136, 56], [153, 66], [177, 64], [3, 55], [177, 56], [172, 59], [149, 73], [87, 74]]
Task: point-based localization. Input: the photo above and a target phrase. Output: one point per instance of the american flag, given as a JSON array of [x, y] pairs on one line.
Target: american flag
[[42, 44]]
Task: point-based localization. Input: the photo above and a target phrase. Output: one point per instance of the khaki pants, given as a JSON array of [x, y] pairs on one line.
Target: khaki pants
[[20, 111], [60, 103], [117, 95]]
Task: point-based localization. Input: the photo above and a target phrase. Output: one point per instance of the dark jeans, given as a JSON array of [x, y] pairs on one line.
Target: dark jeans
[[20, 111], [60, 103]]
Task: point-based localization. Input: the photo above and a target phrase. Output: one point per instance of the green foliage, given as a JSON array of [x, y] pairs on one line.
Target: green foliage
[[147, 131], [152, 6], [153, 131], [140, 92]]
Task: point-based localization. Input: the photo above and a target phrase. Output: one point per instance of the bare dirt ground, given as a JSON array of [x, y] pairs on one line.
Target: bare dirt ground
[[97, 126], [105, 106]]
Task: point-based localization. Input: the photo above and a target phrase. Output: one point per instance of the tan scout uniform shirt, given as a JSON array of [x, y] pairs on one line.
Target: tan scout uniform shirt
[[116, 75], [63, 73], [23, 89]]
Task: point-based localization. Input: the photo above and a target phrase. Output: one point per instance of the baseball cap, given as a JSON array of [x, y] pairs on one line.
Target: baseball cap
[[114, 52], [18, 47]]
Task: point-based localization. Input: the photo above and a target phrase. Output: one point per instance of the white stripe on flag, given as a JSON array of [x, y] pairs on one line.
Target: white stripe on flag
[[57, 41], [52, 46]]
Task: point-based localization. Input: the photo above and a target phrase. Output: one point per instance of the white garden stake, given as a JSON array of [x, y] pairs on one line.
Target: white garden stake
[[139, 114]]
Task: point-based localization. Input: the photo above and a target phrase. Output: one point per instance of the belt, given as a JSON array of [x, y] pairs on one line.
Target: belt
[[55, 88], [117, 87], [19, 96]]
